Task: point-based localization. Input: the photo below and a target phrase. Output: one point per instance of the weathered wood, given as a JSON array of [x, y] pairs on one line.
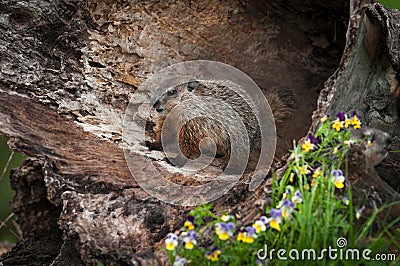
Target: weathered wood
[[367, 81], [36, 217], [69, 68]]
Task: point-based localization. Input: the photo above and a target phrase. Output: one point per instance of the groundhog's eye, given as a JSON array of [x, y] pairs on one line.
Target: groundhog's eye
[[171, 92]]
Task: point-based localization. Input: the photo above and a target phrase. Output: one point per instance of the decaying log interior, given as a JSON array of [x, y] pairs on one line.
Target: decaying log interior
[[69, 68]]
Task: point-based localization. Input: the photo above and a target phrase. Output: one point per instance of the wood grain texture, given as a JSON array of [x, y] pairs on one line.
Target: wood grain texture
[[69, 68]]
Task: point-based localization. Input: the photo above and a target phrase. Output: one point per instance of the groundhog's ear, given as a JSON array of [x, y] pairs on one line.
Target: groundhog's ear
[[192, 84]]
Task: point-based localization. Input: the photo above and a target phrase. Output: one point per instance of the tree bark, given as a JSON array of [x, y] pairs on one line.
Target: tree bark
[[69, 68]]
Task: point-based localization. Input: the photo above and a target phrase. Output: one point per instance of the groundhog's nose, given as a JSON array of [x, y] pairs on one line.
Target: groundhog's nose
[[157, 106]]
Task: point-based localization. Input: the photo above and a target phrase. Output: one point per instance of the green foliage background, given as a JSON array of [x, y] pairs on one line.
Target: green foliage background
[[391, 3], [5, 190]]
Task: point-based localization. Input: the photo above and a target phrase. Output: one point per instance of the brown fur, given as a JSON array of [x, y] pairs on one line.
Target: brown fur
[[194, 130]]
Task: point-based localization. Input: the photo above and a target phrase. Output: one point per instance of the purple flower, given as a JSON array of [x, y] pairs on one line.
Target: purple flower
[[192, 234], [359, 212], [341, 116], [325, 117], [288, 203], [231, 226], [287, 208], [275, 213], [338, 178], [259, 262], [224, 230], [372, 138], [190, 218], [313, 139], [264, 219], [276, 218], [354, 113], [213, 253], [337, 173], [189, 223], [251, 230], [179, 261], [190, 239], [251, 234], [248, 235], [172, 236], [171, 241], [297, 198]]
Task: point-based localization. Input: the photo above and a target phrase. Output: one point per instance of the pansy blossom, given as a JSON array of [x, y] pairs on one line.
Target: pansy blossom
[[224, 230], [179, 261], [213, 253], [190, 239], [189, 223], [338, 178], [275, 219], [171, 241], [297, 198]]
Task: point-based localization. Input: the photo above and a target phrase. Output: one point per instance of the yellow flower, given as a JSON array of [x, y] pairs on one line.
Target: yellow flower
[[275, 219], [249, 235], [190, 239], [259, 226], [338, 178], [285, 213], [249, 240], [170, 246], [356, 122], [347, 122], [347, 142], [223, 236], [369, 143], [216, 255], [313, 182], [307, 146], [189, 225], [304, 169], [241, 237], [317, 173], [346, 201], [337, 125], [335, 150], [171, 241], [189, 245], [274, 223], [213, 254], [324, 118], [297, 197], [224, 230], [226, 218], [339, 182]]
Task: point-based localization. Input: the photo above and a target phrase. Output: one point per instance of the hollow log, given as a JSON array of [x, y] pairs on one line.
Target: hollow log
[[68, 70]]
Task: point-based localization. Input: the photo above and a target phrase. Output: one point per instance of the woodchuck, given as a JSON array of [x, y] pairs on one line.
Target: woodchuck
[[197, 133]]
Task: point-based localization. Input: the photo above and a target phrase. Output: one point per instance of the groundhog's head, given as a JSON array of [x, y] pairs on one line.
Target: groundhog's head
[[173, 96]]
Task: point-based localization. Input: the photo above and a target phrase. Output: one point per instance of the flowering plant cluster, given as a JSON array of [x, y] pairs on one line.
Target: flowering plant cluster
[[311, 207]]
